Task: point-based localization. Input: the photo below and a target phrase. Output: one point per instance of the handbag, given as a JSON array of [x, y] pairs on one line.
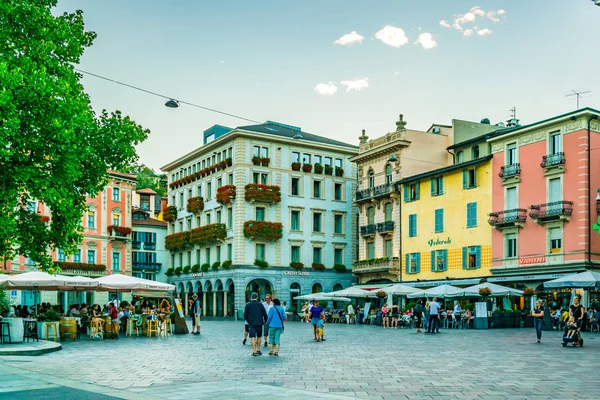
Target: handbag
[[281, 319]]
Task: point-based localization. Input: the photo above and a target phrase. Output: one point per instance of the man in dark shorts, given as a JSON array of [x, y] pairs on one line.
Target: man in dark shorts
[[256, 316]]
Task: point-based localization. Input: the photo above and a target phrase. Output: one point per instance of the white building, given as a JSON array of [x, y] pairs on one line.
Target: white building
[[148, 256], [267, 194]]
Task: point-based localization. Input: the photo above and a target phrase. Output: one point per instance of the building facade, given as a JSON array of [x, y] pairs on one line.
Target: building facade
[[544, 202], [265, 208], [148, 254]]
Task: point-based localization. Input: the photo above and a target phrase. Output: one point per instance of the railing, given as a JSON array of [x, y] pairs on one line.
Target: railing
[[510, 170], [392, 264], [363, 194], [552, 160], [368, 229], [387, 226], [551, 210], [377, 191], [136, 245], [149, 246], [507, 217], [151, 267]]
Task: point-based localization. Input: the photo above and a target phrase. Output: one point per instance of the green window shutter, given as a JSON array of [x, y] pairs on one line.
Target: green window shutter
[[407, 264], [464, 258], [417, 190], [433, 186], [432, 260], [414, 224], [474, 213], [471, 215], [474, 176], [478, 255], [445, 260], [418, 262], [406, 193], [465, 179], [441, 185], [439, 220]]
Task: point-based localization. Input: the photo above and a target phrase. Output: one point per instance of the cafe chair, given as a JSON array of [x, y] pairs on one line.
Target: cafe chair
[[153, 327], [132, 327]]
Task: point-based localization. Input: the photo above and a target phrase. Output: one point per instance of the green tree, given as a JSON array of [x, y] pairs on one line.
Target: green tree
[[53, 147], [147, 178]]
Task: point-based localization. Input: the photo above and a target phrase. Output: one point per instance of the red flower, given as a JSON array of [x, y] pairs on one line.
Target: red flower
[[263, 230], [267, 193], [195, 205], [225, 194]]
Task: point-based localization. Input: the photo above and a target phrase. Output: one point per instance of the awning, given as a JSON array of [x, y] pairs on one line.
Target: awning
[[461, 282], [519, 278]]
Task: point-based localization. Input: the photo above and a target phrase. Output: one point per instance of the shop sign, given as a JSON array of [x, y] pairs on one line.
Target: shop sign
[[532, 260], [13, 294], [294, 290], [197, 275], [438, 242], [296, 273]]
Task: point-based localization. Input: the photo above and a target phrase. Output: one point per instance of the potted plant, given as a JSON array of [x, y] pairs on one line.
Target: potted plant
[[265, 161], [195, 268], [307, 168], [297, 265], [381, 294], [339, 171], [328, 170], [216, 265], [225, 194], [318, 169], [498, 319], [226, 264], [261, 263], [169, 272], [485, 292], [186, 270], [339, 267], [318, 267], [205, 267], [296, 166], [195, 205], [170, 213], [178, 271], [229, 161], [256, 160]]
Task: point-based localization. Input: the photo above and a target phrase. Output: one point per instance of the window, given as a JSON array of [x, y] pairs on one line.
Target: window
[[181, 201], [387, 209], [260, 251], [115, 219], [370, 215], [370, 250], [460, 157], [413, 263], [554, 196], [218, 253], [471, 257], [230, 179], [388, 174], [338, 256], [555, 240], [116, 261], [197, 256], [295, 254], [295, 157], [230, 218], [412, 225], [180, 226], [189, 193], [317, 255], [219, 184], [338, 163], [295, 223], [511, 245], [229, 252], [256, 152], [116, 194], [265, 152], [219, 157], [511, 154], [61, 255], [208, 219], [77, 256], [207, 256], [91, 219], [439, 260], [338, 224], [388, 246], [328, 161], [318, 160], [180, 259], [470, 178], [317, 189], [317, 222], [295, 186], [189, 258], [555, 146], [439, 220], [475, 152], [208, 190], [91, 256], [230, 152], [371, 179], [338, 191], [306, 158], [471, 215], [260, 178], [260, 213], [218, 217], [411, 192], [189, 224], [437, 186], [198, 221]]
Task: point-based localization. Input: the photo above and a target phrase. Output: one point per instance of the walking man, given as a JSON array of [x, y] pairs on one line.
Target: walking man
[[418, 314], [267, 305], [434, 316], [195, 314], [350, 314], [256, 316]]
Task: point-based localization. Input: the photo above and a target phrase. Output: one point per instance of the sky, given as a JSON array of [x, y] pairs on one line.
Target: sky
[[336, 67]]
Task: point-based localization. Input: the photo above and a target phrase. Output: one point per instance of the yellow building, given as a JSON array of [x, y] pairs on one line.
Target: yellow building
[[445, 233]]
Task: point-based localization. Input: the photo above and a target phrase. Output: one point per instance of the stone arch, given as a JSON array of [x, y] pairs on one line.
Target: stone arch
[[197, 287], [208, 286], [229, 285], [262, 286], [315, 285], [218, 285], [180, 287], [189, 287], [337, 286]]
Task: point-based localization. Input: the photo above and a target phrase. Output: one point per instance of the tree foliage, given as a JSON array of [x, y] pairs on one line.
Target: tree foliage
[[53, 147]]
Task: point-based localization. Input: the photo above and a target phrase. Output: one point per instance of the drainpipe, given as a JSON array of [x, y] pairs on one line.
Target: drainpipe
[[453, 156], [589, 188]]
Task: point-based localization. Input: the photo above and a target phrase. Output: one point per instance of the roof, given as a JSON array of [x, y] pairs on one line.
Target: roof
[[444, 170], [122, 175], [485, 136], [146, 191], [288, 132], [149, 222]]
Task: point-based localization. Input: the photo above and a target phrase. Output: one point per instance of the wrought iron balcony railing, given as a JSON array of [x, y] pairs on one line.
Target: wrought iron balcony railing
[[368, 229], [510, 170], [551, 211], [552, 160], [146, 266], [377, 191], [387, 226], [508, 218]]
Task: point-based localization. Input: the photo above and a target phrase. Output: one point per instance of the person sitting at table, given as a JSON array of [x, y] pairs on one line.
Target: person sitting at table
[[97, 319], [164, 311], [146, 307], [74, 312]]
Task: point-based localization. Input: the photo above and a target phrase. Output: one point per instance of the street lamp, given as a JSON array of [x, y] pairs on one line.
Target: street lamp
[[172, 103]]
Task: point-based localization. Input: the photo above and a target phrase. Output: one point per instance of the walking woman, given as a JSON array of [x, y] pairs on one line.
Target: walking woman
[[275, 322], [538, 319], [426, 316], [395, 315], [384, 316]]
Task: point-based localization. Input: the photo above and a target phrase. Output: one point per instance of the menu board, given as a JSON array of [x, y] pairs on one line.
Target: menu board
[[481, 310], [179, 308]]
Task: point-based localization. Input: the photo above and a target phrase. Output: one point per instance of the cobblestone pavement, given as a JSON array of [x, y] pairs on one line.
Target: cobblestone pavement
[[354, 362]]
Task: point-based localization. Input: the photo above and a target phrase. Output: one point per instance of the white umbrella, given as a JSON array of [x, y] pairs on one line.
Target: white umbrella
[[119, 282], [497, 291], [587, 279], [400, 289], [321, 296], [440, 292], [43, 281], [353, 291]]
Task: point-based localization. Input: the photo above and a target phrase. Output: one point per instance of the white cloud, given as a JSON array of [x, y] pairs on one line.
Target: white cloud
[[477, 11], [445, 24], [501, 12], [326, 89], [396, 73], [392, 36], [463, 22], [467, 32], [491, 15], [484, 32], [426, 40], [356, 84], [222, 62], [350, 38]]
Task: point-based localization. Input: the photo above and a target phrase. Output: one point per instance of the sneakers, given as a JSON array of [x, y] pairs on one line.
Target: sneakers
[[266, 344], [244, 342]]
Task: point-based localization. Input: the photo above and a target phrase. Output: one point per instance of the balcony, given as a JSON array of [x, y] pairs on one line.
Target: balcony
[[390, 265], [149, 246], [375, 192], [557, 210], [146, 266], [510, 173], [554, 161], [136, 245], [385, 227], [508, 218], [368, 230]]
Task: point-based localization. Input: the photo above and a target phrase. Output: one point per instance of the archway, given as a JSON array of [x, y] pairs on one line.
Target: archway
[[230, 296], [207, 308], [317, 288], [337, 286], [295, 290], [218, 299], [336, 304], [260, 286]]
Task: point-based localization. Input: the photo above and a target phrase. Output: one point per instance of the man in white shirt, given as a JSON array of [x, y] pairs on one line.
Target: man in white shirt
[[267, 304], [456, 314], [350, 315], [434, 316]]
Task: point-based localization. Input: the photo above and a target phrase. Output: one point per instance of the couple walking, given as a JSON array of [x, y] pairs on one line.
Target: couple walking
[[256, 315]]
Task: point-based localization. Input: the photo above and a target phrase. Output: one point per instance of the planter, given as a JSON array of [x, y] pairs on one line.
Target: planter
[[296, 166], [307, 168], [42, 329], [16, 329], [527, 321], [506, 320], [497, 320], [328, 170], [68, 328]]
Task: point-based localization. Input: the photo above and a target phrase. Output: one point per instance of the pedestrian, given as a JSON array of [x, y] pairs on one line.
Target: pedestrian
[[275, 321], [577, 311], [315, 314], [384, 316], [434, 317], [538, 319], [395, 314], [195, 314], [321, 328], [305, 312], [350, 314], [418, 314], [255, 314], [114, 318], [267, 305]]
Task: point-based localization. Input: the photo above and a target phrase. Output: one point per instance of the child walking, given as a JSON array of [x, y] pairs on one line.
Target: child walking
[[320, 328]]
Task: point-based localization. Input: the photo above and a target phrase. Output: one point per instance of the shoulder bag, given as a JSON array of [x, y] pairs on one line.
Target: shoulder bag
[[281, 319]]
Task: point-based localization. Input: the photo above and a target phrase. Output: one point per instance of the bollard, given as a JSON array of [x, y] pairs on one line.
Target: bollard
[[236, 314]]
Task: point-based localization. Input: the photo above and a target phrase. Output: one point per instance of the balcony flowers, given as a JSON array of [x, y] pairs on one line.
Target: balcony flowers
[[328, 170], [263, 230], [297, 265], [307, 168], [195, 268], [186, 269], [339, 171], [528, 292], [296, 166], [216, 265], [318, 267], [178, 271], [229, 161], [205, 267], [256, 160], [318, 169], [207, 233], [261, 263], [177, 241], [195, 205], [74, 266], [170, 272], [170, 213], [194, 176], [118, 230], [339, 268], [485, 291], [226, 264], [265, 193], [225, 194]]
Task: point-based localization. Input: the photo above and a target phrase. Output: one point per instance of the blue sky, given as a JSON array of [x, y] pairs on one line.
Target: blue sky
[[263, 60]]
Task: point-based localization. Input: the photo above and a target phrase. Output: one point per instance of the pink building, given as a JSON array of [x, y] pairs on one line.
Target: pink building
[[544, 186]]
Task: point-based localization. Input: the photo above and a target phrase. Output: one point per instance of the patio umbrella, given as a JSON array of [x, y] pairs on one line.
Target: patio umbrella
[[399, 289], [321, 296], [120, 282], [497, 291], [587, 279], [441, 292], [354, 292]]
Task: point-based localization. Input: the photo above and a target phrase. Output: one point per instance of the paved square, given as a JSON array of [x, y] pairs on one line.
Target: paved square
[[354, 362]]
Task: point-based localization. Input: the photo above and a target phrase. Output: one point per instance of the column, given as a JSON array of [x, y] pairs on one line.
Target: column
[[186, 304], [65, 300], [215, 304], [82, 297], [225, 305], [204, 304]]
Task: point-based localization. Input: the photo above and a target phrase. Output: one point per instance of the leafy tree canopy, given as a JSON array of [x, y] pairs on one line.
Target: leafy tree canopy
[[53, 147], [147, 178]]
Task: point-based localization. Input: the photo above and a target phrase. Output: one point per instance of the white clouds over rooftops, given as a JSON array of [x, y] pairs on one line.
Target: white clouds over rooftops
[[469, 18], [326, 89], [426, 40], [350, 38], [392, 36], [356, 84]]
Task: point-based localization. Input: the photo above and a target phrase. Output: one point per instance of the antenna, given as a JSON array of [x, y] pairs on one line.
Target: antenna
[[578, 94], [513, 112]]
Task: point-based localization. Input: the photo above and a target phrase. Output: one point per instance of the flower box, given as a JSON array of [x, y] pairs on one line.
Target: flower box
[[186, 269], [178, 271], [216, 266], [195, 205], [339, 171], [261, 263], [225, 194], [339, 268], [265, 161], [328, 170], [229, 161], [297, 265], [307, 168], [118, 230], [263, 230], [75, 266], [265, 193], [205, 267], [207, 233], [170, 271], [296, 166], [226, 264], [318, 169], [177, 241], [256, 160], [318, 267], [195, 268], [170, 213]]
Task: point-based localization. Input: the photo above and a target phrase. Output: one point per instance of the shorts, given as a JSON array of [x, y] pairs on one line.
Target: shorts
[[265, 330], [274, 335], [315, 321], [246, 328], [115, 321], [320, 331], [195, 319], [255, 330]]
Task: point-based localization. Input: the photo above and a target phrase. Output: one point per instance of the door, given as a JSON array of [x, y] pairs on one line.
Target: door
[[554, 197], [511, 204]]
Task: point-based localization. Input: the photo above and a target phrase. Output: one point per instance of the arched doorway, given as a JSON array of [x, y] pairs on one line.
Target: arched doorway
[[260, 286], [230, 297], [218, 299], [295, 290], [337, 286], [207, 308], [317, 288]]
